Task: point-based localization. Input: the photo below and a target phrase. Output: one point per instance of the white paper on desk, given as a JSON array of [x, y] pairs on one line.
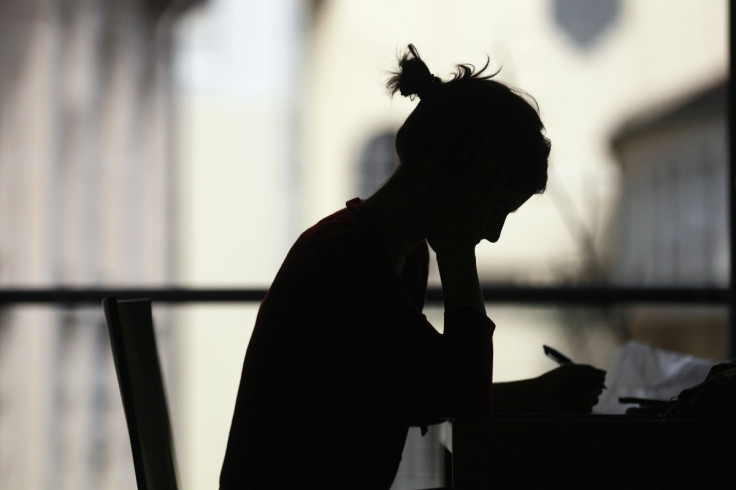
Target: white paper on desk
[[640, 370]]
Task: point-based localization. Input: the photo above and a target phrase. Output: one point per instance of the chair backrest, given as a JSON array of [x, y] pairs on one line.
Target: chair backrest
[[133, 341]]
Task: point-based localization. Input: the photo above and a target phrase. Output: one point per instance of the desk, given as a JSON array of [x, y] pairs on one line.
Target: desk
[[592, 452]]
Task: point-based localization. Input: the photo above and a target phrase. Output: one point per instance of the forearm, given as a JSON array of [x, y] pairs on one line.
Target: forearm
[[467, 335], [511, 396], [460, 283]]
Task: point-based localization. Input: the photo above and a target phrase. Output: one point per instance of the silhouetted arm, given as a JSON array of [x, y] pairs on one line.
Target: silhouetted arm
[[443, 375], [573, 388], [460, 283]]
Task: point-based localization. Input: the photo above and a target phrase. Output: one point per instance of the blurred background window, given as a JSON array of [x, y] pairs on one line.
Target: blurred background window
[[378, 160], [188, 143]]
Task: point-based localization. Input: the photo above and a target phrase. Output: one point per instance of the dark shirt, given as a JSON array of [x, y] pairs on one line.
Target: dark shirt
[[342, 361]]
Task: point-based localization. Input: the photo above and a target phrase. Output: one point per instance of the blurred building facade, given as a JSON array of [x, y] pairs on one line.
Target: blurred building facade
[[672, 217], [590, 66], [672, 225], [86, 158], [283, 117]]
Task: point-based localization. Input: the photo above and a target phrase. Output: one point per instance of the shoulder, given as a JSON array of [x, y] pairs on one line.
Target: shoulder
[[341, 235]]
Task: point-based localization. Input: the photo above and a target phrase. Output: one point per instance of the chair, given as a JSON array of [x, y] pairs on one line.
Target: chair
[[133, 341]]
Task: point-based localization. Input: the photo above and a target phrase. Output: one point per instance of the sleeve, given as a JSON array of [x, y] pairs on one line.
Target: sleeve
[[468, 346], [439, 375]]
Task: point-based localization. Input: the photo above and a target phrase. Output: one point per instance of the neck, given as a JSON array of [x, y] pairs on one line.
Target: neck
[[398, 211]]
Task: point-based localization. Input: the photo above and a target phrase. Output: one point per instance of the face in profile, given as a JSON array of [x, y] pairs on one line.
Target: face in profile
[[508, 202]]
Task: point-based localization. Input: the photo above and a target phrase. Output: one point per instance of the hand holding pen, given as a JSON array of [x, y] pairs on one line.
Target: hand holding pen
[[559, 357], [569, 389], [572, 388]]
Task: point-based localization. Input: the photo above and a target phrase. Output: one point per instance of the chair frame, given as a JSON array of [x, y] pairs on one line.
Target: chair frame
[[134, 352]]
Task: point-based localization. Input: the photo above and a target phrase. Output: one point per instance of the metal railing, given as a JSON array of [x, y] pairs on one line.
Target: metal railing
[[564, 295]]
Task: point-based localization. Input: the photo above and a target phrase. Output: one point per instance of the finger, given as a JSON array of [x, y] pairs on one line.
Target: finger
[[593, 400], [586, 405]]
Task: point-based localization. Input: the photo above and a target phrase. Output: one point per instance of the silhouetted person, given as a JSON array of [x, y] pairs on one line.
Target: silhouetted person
[[342, 361]]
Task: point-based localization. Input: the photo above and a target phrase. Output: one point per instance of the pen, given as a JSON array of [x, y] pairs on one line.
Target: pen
[[557, 356]]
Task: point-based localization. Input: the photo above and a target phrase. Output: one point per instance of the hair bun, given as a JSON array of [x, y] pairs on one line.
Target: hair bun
[[413, 77]]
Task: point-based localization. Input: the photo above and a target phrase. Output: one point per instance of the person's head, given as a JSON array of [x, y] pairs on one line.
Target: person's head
[[469, 110]]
